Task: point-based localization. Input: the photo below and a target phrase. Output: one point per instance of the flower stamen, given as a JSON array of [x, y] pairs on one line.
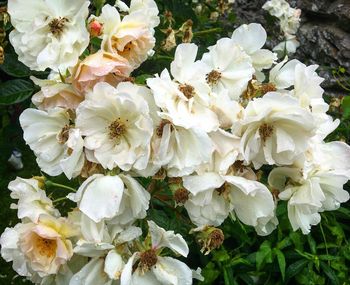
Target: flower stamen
[[265, 131], [187, 90], [148, 259], [46, 247], [213, 77], [56, 26], [63, 134], [116, 129]]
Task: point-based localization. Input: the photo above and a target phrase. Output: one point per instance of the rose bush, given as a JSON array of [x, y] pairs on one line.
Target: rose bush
[[143, 177]]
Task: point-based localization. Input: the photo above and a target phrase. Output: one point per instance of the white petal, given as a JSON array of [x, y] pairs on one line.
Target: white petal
[[161, 238], [170, 271], [102, 197]]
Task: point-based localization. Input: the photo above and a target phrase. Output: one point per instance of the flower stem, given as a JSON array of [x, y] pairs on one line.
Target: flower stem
[[53, 184], [325, 241], [209, 31], [59, 200]]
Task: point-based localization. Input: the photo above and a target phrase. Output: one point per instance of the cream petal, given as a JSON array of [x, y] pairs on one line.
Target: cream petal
[[102, 197], [161, 238]]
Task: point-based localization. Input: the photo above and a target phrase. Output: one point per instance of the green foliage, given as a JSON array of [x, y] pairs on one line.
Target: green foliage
[[15, 91]]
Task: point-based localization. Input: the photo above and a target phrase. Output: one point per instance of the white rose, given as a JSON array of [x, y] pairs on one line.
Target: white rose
[[49, 34]]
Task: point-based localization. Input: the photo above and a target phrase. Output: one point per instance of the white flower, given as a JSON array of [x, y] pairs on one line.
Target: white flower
[[91, 274], [277, 8], [106, 246], [120, 198], [213, 197], [309, 193], [289, 45], [167, 146], [10, 251], [149, 8], [228, 111], [49, 34], [117, 125], [275, 130], [185, 99], [32, 201], [155, 269], [226, 152], [224, 70], [252, 38], [180, 151], [231, 73], [306, 89], [57, 146]]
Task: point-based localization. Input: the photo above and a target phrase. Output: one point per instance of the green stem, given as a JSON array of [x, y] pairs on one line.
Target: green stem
[[163, 57], [325, 241], [59, 200], [50, 183], [209, 31]]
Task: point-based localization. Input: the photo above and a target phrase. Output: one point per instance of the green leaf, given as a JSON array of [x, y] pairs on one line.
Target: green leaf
[[284, 243], [297, 240], [295, 268], [221, 255], [281, 262], [15, 91], [312, 244], [142, 79], [13, 67], [330, 273], [210, 273], [228, 276], [264, 254], [346, 107]]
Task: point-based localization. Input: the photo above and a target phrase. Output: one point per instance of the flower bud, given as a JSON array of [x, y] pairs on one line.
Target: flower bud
[[95, 28]]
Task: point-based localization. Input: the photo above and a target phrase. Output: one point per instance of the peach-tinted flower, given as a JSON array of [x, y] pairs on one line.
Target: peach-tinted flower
[[100, 67], [132, 37], [46, 245], [55, 93]]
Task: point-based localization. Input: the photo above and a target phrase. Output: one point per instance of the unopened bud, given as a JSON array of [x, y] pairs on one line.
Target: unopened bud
[[95, 28]]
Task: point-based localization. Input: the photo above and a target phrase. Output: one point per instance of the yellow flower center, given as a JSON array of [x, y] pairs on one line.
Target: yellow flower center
[[187, 90], [265, 131], [116, 129], [46, 247], [213, 77], [57, 25]]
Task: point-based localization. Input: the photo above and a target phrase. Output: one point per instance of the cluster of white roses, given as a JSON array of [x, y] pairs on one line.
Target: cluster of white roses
[[289, 20], [206, 127]]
